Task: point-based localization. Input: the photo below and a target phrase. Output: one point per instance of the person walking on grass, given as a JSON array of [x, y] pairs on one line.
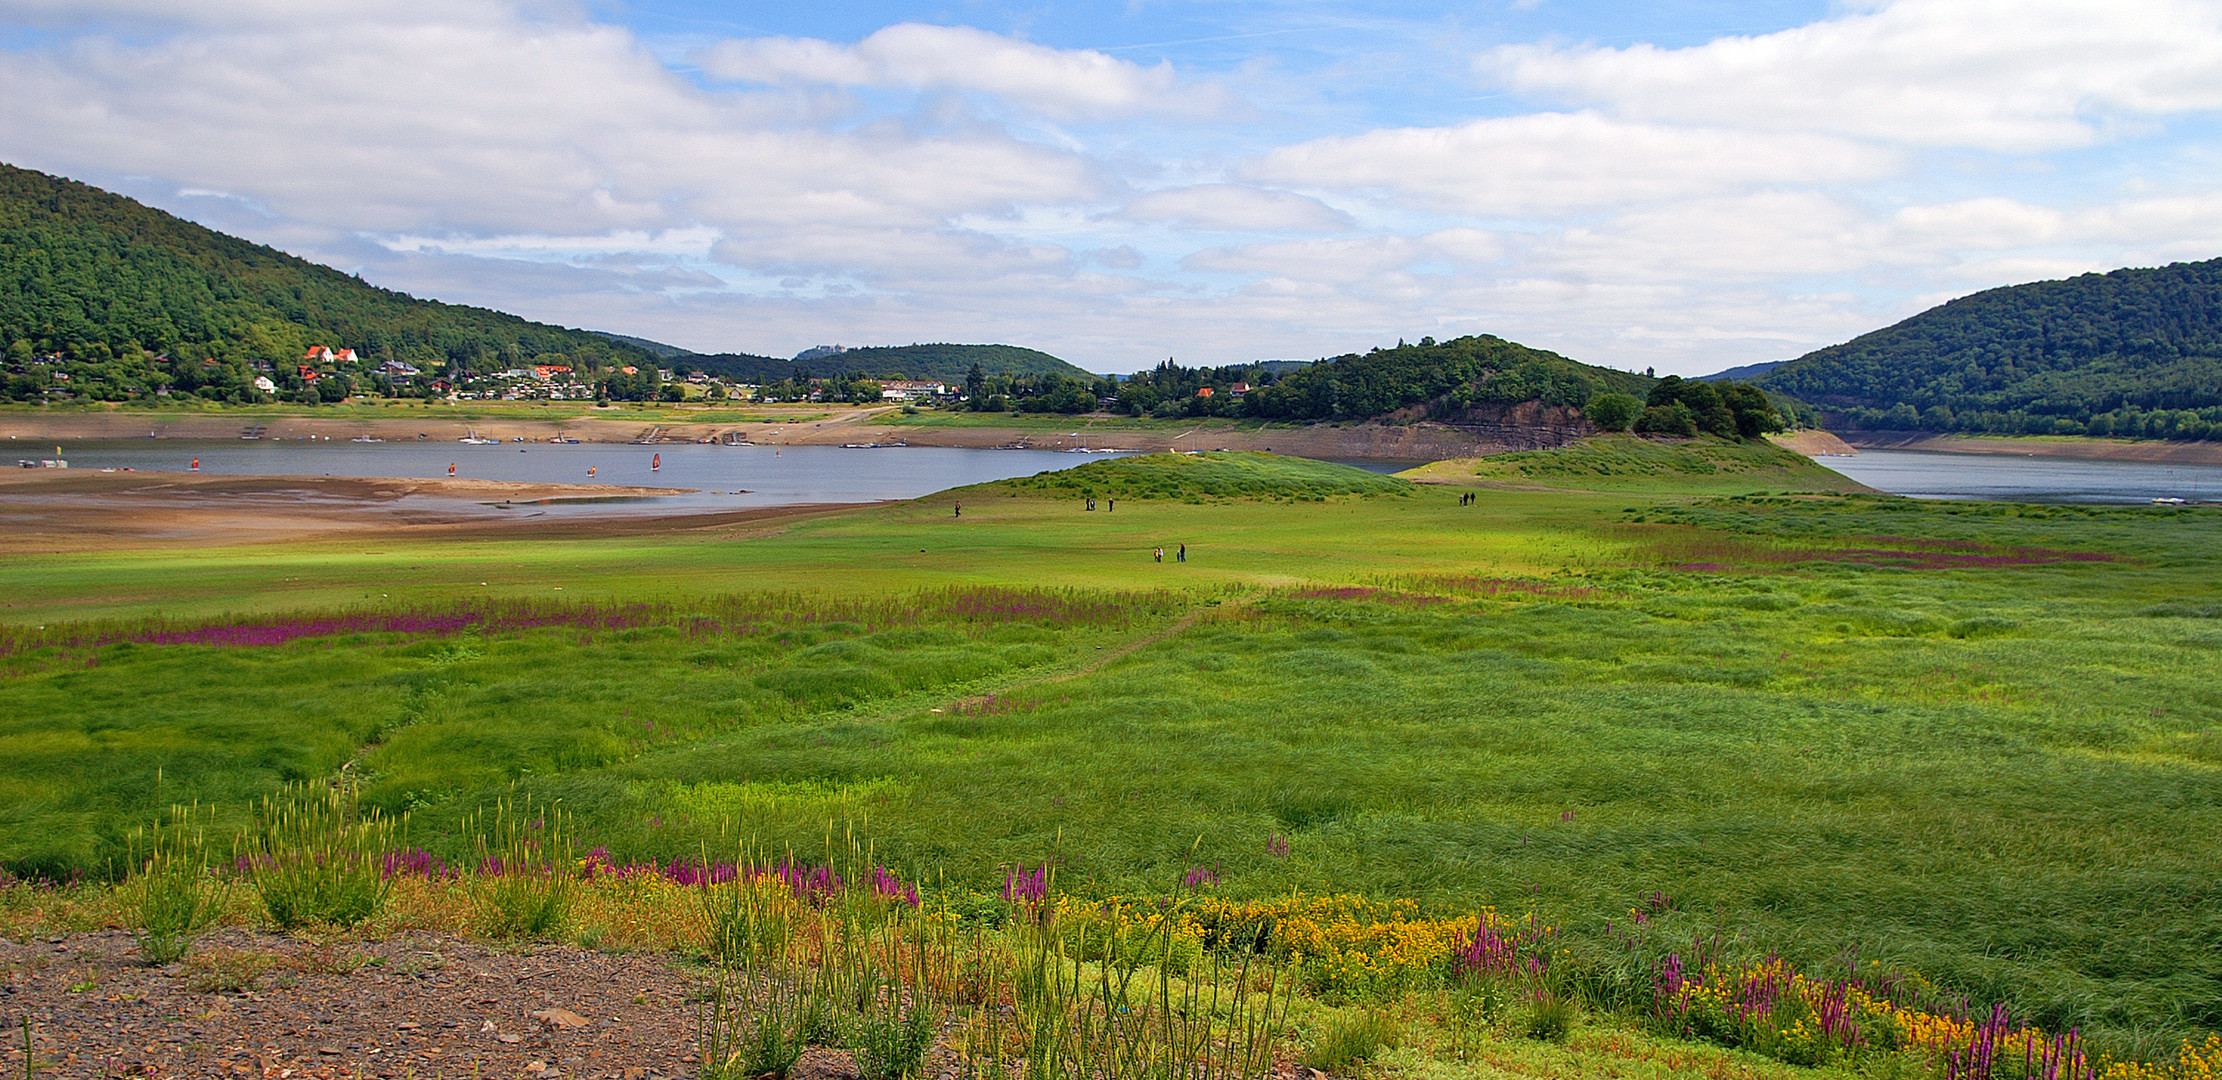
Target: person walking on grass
[[960, 509], [1182, 554], [1159, 554]]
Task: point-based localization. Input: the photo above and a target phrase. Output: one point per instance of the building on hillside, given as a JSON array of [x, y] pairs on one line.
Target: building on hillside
[[263, 383], [1204, 392], [1239, 389], [548, 372], [398, 370], [910, 390], [321, 355]]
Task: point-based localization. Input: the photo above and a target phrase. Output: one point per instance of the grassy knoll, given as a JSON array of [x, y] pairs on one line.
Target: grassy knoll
[[1214, 475], [1635, 463], [1977, 741]]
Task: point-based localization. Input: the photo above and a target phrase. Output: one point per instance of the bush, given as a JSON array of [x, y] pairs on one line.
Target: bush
[[1674, 419], [1613, 412]]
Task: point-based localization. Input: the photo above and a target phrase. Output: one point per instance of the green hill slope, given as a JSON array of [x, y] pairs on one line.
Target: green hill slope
[[936, 363], [1449, 377], [125, 300], [2133, 352], [1224, 474]]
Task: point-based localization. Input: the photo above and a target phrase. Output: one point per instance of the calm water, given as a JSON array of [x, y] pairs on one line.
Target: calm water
[[1925, 475], [728, 477]]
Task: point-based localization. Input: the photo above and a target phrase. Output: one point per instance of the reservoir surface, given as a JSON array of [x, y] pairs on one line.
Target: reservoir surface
[[2017, 478]]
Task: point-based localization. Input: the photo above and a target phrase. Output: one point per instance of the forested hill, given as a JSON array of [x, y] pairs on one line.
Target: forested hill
[[1449, 376], [935, 363], [2133, 352], [123, 299]]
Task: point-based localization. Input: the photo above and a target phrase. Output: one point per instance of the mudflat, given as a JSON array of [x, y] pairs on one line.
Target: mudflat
[[57, 510]]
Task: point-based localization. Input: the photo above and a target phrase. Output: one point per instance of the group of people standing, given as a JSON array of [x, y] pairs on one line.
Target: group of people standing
[[1180, 555]]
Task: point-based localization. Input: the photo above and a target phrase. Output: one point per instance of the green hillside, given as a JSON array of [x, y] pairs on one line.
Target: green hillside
[[935, 363], [1450, 376], [2131, 353], [125, 300]]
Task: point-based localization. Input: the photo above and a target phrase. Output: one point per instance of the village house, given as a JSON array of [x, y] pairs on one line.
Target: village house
[[909, 390]]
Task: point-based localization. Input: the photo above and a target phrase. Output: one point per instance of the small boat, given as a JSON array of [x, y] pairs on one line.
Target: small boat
[[366, 438], [656, 464], [472, 438]]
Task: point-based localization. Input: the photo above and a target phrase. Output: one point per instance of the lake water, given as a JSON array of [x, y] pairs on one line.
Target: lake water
[[1928, 475], [727, 477], [743, 477]]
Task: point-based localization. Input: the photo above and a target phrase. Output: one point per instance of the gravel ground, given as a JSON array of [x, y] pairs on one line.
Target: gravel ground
[[248, 1004]]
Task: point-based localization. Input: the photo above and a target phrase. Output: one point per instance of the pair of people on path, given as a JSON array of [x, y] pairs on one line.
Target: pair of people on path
[[1179, 556]]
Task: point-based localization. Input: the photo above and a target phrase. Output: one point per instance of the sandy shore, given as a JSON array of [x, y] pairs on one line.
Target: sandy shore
[[43, 510], [1423, 441]]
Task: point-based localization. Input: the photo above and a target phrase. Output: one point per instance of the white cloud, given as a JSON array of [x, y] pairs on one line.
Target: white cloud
[[1553, 162], [2014, 75], [1234, 207], [1056, 82]]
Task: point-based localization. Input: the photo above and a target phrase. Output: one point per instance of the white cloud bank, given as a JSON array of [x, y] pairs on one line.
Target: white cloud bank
[[1065, 83], [1687, 208], [2007, 75]]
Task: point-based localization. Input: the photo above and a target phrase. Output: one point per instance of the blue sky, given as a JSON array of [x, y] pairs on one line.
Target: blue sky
[[1685, 186]]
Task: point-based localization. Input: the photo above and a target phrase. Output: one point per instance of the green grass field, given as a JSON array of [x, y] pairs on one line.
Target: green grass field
[[1979, 741]]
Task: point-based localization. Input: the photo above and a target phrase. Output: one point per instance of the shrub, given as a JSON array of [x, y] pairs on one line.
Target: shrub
[[1613, 412]]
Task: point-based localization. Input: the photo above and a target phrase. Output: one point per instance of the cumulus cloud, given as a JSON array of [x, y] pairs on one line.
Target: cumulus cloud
[[1237, 208], [2014, 75], [1545, 162], [1057, 82], [516, 126]]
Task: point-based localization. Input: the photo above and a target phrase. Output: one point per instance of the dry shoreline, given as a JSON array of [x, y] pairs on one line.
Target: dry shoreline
[[75, 510], [1420, 441], [2153, 451]]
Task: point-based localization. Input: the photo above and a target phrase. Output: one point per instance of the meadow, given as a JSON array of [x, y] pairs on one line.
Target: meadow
[[1970, 744]]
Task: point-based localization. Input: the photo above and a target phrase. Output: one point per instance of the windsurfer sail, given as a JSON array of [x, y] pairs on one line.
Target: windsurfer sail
[[196, 466], [451, 468], [656, 464]]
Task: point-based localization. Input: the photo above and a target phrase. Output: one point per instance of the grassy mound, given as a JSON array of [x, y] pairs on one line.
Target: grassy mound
[[1223, 474], [1627, 462]]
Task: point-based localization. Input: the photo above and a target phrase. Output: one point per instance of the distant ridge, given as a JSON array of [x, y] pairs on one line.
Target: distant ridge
[[934, 363], [1745, 373], [2128, 353], [656, 347]]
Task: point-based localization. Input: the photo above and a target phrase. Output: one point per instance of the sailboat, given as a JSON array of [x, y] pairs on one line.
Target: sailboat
[[590, 471], [195, 467], [472, 438], [656, 464], [451, 468]]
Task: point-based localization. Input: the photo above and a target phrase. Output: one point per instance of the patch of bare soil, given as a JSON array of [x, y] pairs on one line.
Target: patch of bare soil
[[251, 1004], [72, 510]]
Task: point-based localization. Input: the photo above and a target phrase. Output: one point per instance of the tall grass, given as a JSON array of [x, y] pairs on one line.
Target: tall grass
[[316, 859], [175, 895]]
